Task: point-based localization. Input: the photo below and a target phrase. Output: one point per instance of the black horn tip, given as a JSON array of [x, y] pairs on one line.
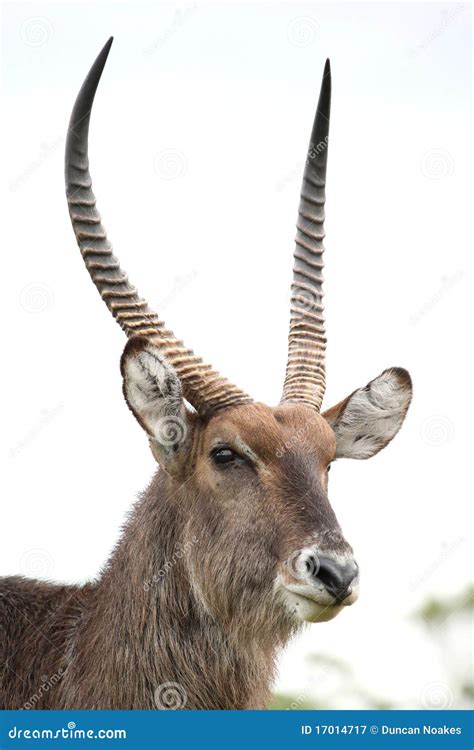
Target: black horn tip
[[95, 72], [320, 132], [87, 92], [324, 103], [99, 63], [79, 122], [105, 49]]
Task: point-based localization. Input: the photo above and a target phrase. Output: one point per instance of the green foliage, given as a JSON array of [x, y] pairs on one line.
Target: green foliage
[[289, 702], [435, 611], [467, 690]]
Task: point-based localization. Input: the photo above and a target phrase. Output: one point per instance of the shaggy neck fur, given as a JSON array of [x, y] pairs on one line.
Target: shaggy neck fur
[[144, 627], [145, 635]]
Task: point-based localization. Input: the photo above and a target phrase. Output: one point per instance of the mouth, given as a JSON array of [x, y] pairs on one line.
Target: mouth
[[307, 603]]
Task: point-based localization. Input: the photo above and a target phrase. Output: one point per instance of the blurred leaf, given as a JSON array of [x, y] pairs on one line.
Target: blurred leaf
[[382, 705], [288, 702], [435, 610], [468, 690]]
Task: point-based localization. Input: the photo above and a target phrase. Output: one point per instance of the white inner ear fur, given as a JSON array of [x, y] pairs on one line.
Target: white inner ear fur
[[372, 416], [153, 392]]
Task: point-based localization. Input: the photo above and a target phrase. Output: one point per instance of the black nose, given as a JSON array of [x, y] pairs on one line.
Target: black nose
[[335, 576]]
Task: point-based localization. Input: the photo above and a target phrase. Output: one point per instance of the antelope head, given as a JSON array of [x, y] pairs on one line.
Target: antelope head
[[251, 480]]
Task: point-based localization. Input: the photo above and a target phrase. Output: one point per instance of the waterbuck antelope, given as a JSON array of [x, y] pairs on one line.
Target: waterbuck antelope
[[234, 544]]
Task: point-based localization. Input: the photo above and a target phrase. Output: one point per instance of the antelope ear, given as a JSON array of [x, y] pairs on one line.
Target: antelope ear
[[153, 393], [368, 419]]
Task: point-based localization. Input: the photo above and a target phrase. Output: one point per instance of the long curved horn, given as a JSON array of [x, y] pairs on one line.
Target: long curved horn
[[204, 388], [305, 371]]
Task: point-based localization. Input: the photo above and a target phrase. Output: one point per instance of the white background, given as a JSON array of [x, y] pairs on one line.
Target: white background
[[198, 138]]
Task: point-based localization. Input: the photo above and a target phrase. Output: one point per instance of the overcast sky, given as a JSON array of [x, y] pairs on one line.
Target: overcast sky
[[198, 138]]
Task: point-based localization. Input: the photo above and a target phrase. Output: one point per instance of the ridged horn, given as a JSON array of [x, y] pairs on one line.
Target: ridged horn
[[204, 388], [305, 372]]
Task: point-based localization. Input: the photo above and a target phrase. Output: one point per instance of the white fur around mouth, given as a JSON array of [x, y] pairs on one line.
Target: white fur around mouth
[[309, 605], [308, 610]]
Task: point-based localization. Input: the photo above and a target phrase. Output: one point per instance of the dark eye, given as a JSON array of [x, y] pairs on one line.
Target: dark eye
[[329, 468], [222, 456]]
